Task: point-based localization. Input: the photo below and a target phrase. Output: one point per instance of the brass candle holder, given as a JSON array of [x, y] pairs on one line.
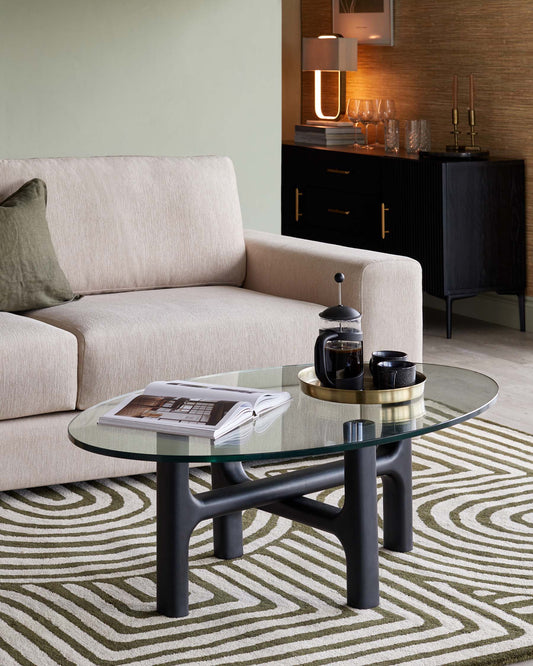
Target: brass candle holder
[[472, 122], [455, 147], [455, 151], [473, 151]]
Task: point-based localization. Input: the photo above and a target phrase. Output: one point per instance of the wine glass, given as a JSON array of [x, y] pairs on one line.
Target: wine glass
[[352, 111], [388, 109], [367, 116]]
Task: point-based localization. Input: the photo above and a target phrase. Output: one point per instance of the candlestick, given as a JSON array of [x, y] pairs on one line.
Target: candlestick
[[473, 151], [455, 148], [472, 122]]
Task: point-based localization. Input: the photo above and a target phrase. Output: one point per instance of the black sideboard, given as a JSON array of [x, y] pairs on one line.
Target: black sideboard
[[464, 221]]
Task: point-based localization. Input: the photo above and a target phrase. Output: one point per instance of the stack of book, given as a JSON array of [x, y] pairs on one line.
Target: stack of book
[[327, 133]]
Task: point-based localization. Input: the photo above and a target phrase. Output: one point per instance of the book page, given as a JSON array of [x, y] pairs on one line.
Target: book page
[[261, 424], [261, 401], [179, 414]]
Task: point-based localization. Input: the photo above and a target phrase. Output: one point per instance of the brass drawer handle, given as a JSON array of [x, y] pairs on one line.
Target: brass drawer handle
[[297, 215], [341, 171], [338, 212], [384, 231]]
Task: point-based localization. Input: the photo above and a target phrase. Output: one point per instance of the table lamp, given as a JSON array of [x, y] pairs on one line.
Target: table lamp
[[329, 53]]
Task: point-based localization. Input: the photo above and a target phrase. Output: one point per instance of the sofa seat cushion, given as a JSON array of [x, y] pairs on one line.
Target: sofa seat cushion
[[40, 454], [119, 223], [127, 340], [39, 367]]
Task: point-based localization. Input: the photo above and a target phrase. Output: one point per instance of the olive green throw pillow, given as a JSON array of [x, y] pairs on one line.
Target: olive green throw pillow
[[30, 275]]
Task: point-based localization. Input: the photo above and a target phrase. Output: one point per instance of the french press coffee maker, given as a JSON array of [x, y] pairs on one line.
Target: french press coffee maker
[[339, 346]]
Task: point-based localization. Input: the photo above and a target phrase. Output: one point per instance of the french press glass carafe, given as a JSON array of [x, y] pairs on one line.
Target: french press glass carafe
[[339, 346]]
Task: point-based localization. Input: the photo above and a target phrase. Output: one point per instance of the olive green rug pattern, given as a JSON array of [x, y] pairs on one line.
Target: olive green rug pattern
[[77, 573]]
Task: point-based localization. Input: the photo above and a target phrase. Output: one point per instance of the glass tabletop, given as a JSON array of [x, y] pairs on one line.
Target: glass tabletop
[[304, 426]]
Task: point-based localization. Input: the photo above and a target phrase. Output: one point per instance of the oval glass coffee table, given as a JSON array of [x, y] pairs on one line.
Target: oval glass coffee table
[[375, 440]]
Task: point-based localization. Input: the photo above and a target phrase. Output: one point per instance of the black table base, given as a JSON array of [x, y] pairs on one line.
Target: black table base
[[355, 524]]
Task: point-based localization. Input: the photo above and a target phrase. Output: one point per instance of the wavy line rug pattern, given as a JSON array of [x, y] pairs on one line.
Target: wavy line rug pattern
[[77, 570]]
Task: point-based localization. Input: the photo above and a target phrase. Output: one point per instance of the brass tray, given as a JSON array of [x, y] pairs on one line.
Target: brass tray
[[368, 396], [397, 413]]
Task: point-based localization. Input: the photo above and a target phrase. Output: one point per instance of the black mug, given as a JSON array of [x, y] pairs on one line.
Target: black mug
[[384, 355], [394, 374]]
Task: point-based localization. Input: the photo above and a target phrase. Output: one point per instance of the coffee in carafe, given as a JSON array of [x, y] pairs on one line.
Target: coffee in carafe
[[343, 359], [339, 346]]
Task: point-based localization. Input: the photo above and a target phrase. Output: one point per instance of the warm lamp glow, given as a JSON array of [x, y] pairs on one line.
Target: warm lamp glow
[[318, 97], [329, 53]]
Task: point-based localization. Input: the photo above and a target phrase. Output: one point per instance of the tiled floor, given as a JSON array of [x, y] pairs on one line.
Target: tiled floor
[[503, 353]]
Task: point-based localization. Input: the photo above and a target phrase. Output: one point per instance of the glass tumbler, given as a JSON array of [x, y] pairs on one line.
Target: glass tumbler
[[412, 135], [392, 135], [425, 135]]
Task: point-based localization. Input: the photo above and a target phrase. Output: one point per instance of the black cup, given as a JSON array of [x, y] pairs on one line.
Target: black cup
[[394, 374], [385, 355]]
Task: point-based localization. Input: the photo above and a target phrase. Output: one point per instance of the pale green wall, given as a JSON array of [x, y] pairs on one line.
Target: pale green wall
[[147, 77]]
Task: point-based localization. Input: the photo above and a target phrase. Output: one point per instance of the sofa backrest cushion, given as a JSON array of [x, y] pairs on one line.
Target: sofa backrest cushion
[[127, 223]]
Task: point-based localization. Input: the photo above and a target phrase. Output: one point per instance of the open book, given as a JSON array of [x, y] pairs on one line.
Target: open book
[[190, 408]]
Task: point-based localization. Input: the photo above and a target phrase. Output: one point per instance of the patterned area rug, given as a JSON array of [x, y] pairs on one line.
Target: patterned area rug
[[77, 568]]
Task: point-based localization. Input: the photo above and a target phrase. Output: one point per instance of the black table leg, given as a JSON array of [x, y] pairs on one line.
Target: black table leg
[[355, 525], [227, 530], [176, 519], [395, 469], [357, 528]]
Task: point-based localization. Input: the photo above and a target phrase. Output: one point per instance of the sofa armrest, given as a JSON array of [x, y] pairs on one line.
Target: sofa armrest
[[385, 288]]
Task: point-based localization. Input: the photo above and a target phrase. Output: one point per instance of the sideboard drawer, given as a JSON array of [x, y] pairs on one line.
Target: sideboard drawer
[[341, 217], [343, 172]]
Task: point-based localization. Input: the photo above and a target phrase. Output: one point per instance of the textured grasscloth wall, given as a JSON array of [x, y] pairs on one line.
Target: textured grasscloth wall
[[433, 41]]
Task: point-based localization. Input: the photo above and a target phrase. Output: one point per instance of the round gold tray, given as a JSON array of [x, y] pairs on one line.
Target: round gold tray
[[400, 412], [311, 386]]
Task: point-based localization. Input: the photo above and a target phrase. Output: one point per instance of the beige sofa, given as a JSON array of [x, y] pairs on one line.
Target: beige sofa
[[171, 286]]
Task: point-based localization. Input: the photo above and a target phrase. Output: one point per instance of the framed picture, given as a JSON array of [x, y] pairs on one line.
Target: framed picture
[[369, 21]]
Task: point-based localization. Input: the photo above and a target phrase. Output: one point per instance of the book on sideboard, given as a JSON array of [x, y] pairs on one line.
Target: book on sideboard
[[328, 135], [327, 130], [330, 123], [325, 141], [195, 409]]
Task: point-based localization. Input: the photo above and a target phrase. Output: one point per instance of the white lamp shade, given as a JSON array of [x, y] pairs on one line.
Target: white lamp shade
[[329, 54]]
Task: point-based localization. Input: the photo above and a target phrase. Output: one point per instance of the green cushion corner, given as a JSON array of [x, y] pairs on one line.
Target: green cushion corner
[[30, 275]]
